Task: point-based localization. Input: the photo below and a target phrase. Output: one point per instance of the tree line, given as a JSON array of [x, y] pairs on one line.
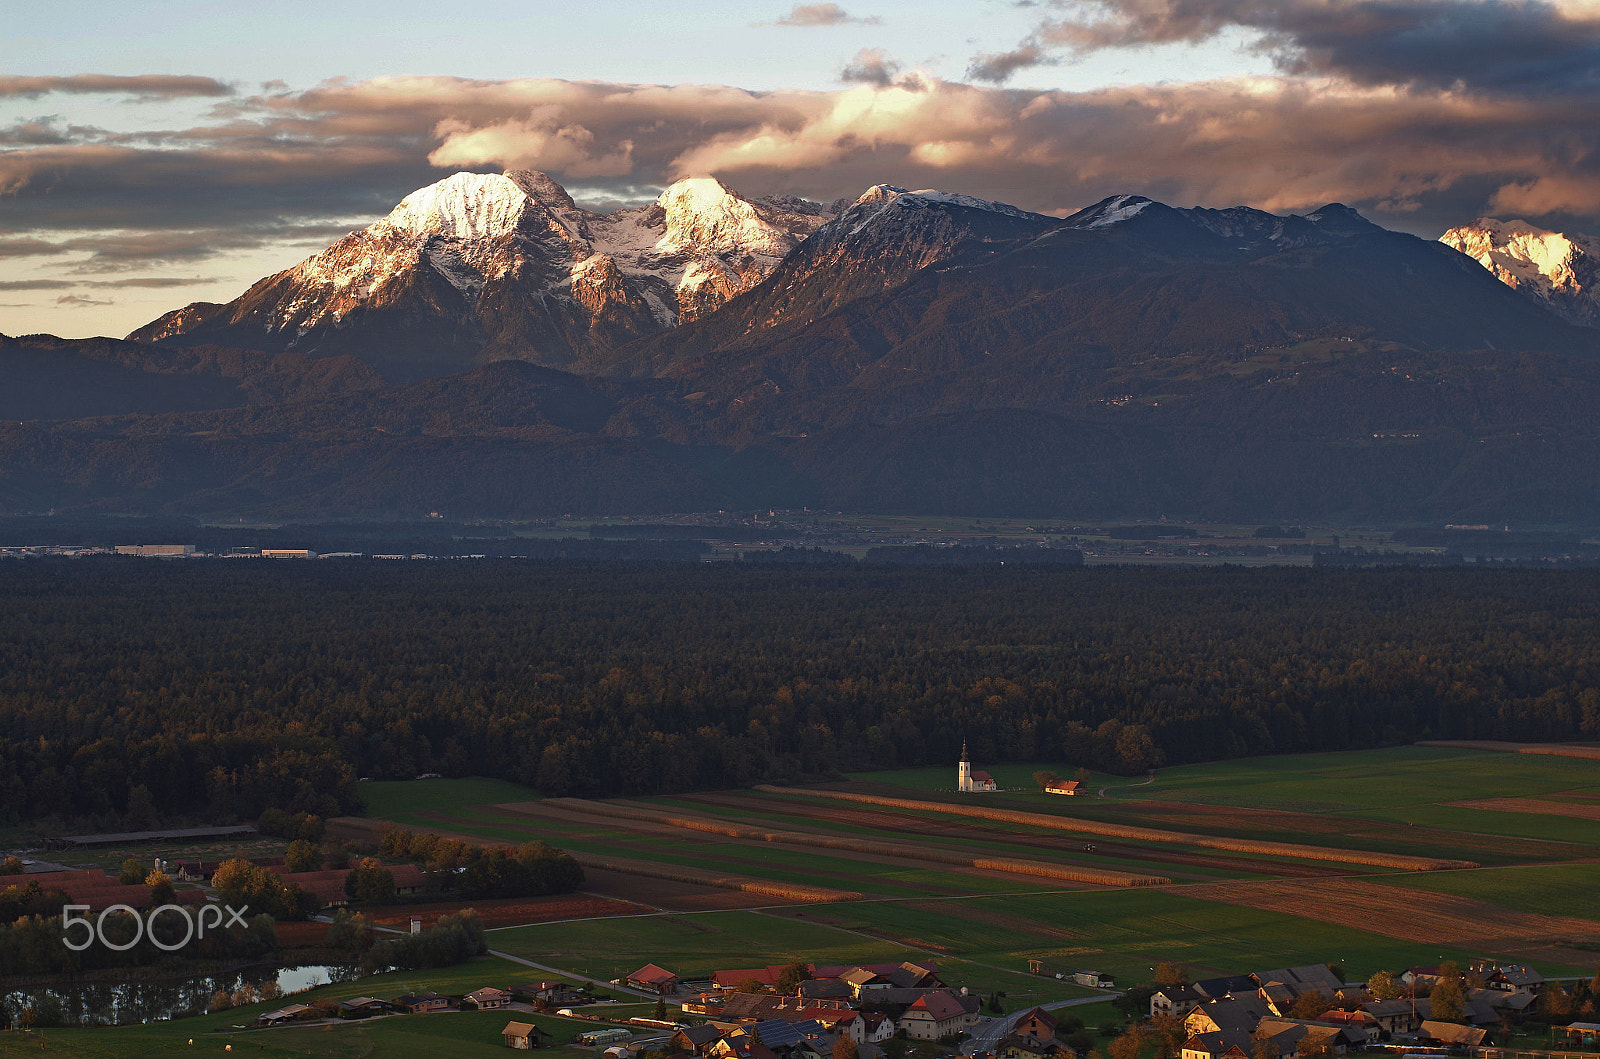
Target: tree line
[[155, 693]]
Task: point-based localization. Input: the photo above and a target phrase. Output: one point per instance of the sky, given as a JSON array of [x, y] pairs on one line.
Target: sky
[[154, 155]]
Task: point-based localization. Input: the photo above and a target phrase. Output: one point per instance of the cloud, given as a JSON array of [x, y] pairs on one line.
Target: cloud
[[29, 248], [1529, 46], [79, 301], [823, 15], [137, 282], [871, 66], [997, 67], [144, 87], [305, 166], [34, 284]]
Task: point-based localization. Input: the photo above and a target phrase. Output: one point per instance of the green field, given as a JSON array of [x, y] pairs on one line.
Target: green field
[[1546, 889], [402, 800]]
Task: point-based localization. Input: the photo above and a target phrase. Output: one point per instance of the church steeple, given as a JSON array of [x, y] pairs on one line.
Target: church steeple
[[964, 770]]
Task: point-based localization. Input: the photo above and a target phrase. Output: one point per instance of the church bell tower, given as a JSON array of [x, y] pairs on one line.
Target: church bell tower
[[964, 770]]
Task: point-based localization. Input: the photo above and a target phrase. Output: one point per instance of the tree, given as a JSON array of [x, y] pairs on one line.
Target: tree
[[845, 1047], [1130, 1045], [1383, 985], [11, 866], [790, 977], [1083, 775], [370, 883], [1170, 974], [303, 856], [141, 811], [1447, 1002], [1554, 1001], [1169, 1034], [1264, 1049], [1045, 778], [1309, 1005], [133, 873], [660, 1010], [161, 889]]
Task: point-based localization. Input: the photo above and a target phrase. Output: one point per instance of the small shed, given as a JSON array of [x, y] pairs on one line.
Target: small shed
[[523, 1036]]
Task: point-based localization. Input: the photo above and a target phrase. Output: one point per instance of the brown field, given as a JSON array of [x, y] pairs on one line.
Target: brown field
[[819, 817], [1411, 915], [1584, 750], [1533, 805], [1140, 834], [512, 911], [1011, 866]]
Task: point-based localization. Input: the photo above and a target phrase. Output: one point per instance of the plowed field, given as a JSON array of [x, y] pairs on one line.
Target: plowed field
[[513, 911]]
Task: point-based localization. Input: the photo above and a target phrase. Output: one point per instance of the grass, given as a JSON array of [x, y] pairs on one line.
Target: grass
[[403, 801], [1496, 822], [1367, 780], [1128, 932], [693, 945], [1546, 889]]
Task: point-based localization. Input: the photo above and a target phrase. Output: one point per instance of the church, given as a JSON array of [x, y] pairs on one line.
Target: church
[[969, 781]]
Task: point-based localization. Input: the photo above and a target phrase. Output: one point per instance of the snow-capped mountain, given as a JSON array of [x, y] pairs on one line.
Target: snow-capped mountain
[[1560, 270], [482, 267]]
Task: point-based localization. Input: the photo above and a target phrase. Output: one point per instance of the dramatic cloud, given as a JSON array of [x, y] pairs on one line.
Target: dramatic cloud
[[1532, 46], [871, 66], [823, 15], [144, 88], [308, 165]]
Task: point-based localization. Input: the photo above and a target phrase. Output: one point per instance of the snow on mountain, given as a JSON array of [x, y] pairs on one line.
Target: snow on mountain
[[1561, 270], [508, 265]]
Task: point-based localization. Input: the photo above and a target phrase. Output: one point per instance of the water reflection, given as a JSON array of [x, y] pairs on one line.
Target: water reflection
[[144, 1000]]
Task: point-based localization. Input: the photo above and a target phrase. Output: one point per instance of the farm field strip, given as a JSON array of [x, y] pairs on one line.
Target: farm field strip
[[963, 859], [884, 873], [1424, 917], [1590, 752], [1127, 932], [1580, 837], [1572, 889], [1536, 806], [1320, 853], [1022, 841]]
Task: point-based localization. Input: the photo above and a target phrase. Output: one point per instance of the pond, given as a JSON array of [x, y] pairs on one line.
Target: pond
[[152, 1000]]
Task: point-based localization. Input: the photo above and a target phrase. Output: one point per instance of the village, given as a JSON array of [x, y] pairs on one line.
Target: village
[[885, 1011]]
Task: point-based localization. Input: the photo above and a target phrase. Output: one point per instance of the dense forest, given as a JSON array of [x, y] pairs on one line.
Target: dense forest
[[225, 687]]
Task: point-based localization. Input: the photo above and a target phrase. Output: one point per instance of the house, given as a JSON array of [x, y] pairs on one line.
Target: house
[[865, 1027], [1448, 1033], [1304, 1032], [939, 1013], [1509, 978], [864, 980], [1218, 1044], [422, 1003], [1217, 988], [547, 992], [1022, 1046], [1356, 1020], [364, 1007], [696, 1040], [653, 979], [1174, 1000], [1037, 1023], [292, 1013], [824, 989], [1398, 1016], [1236, 1012], [1312, 978], [758, 1007], [487, 998], [1070, 788], [523, 1036]]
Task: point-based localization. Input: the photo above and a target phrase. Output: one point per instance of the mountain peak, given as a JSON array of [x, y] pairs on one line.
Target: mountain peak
[[461, 206], [1561, 270], [1108, 211], [705, 215]]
